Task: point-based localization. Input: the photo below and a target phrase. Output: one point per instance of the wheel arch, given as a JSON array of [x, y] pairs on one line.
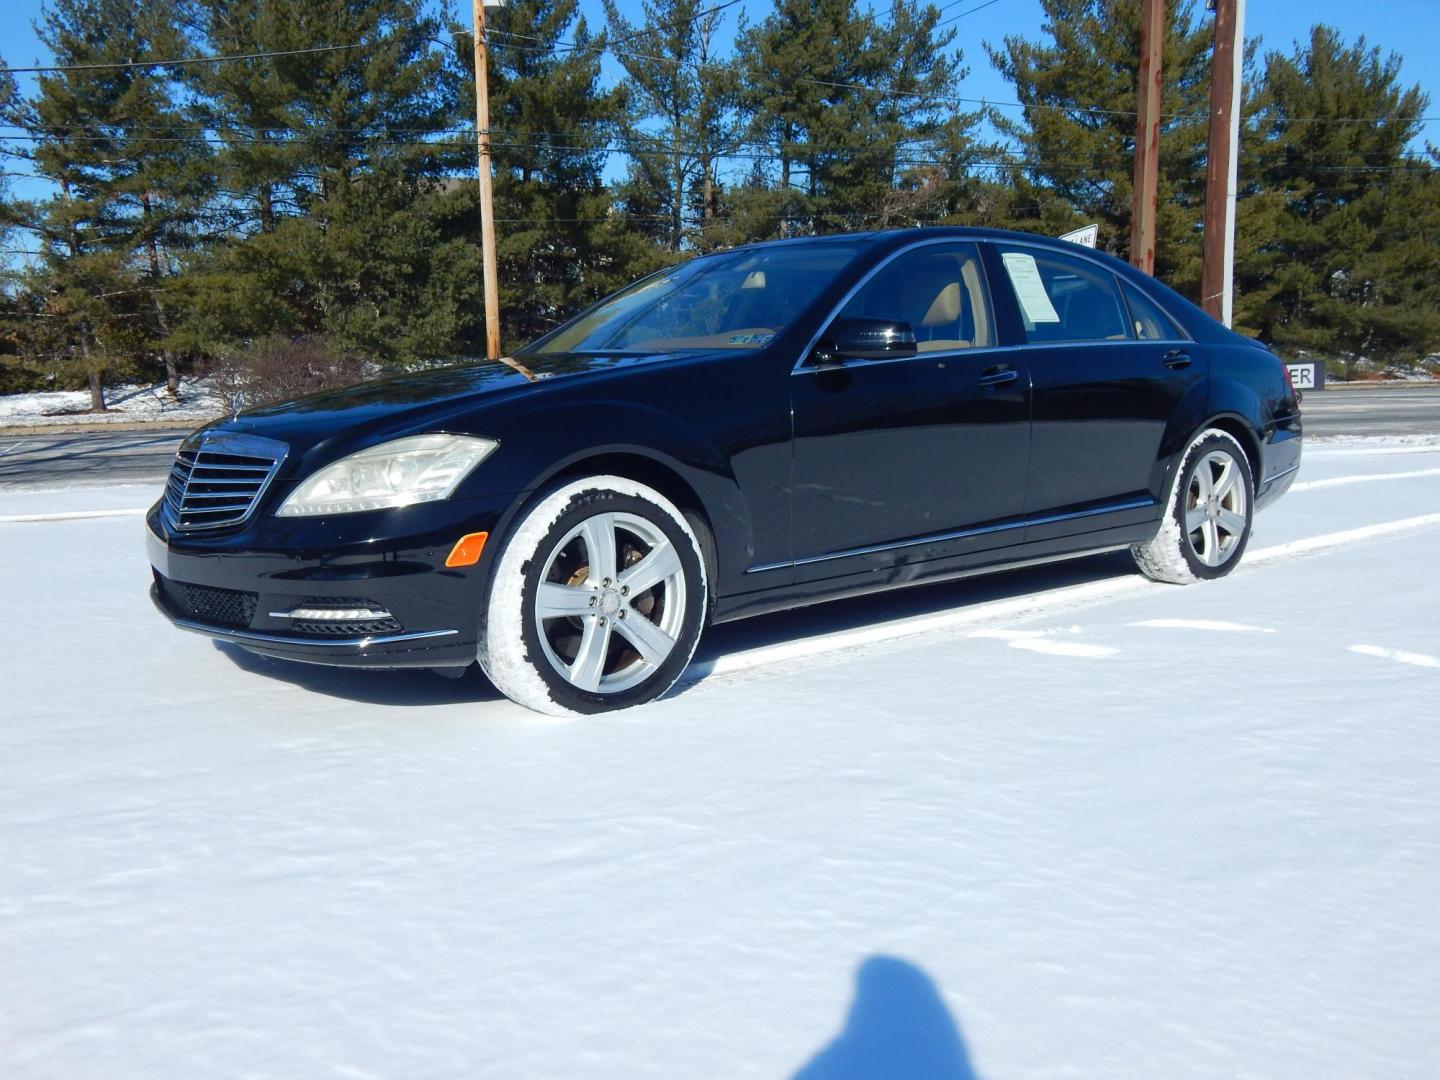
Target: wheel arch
[[1233, 425], [655, 473]]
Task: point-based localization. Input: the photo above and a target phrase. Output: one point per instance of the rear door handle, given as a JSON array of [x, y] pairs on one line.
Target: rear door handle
[[999, 375], [1177, 358]]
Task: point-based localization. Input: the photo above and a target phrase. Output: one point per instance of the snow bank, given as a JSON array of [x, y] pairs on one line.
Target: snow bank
[[127, 404]]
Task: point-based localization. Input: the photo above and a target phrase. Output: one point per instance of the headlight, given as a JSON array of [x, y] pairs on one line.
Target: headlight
[[421, 468]]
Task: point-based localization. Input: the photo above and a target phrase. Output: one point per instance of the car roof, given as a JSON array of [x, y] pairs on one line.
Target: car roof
[[902, 236]]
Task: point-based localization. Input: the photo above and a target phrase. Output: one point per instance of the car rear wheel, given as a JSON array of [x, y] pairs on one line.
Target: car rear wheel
[[1207, 524], [597, 601]]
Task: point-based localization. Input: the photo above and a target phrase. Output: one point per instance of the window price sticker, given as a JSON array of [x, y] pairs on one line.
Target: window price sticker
[[1029, 288]]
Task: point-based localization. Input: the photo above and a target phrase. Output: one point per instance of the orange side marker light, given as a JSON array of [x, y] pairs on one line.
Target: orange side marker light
[[467, 549]]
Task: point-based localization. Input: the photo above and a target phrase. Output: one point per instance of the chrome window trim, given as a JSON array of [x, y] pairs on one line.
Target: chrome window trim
[[960, 534], [801, 367], [1090, 343], [1082, 254]]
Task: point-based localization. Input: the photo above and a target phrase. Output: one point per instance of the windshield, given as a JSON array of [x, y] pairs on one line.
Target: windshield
[[739, 300]]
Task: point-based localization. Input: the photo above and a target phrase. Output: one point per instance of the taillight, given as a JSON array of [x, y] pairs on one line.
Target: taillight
[[1290, 383]]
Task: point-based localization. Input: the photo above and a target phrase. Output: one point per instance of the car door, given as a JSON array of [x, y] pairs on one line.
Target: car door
[[1109, 370], [889, 453]]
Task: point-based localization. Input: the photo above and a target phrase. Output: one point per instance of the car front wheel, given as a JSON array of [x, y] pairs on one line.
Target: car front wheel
[[597, 600], [1207, 524]]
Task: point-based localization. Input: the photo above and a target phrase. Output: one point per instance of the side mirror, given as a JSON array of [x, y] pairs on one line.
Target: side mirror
[[864, 339]]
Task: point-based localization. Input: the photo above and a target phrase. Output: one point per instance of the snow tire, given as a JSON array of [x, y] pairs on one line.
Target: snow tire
[[1172, 556], [516, 651]]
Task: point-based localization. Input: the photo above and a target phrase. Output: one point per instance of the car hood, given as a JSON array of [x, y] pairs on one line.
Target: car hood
[[404, 403]]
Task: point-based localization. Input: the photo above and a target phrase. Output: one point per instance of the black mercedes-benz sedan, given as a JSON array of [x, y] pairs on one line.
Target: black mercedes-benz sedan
[[753, 430]]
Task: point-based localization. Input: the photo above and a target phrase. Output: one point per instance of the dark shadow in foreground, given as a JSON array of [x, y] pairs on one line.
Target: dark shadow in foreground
[[897, 1029], [400, 686]]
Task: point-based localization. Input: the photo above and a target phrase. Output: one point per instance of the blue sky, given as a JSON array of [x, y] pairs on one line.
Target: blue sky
[[1410, 28]]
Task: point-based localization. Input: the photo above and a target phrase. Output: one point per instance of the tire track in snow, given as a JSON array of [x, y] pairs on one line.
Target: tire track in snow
[[1398, 655], [1369, 478]]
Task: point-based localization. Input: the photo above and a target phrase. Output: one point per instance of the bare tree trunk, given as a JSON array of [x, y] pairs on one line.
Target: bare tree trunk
[[267, 209], [97, 388], [172, 362], [785, 188], [677, 174]]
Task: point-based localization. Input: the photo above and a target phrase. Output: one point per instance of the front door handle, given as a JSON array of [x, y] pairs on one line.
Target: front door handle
[[1177, 358], [999, 375]]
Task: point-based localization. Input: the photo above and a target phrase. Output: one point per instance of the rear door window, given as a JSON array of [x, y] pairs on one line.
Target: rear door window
[[1149, 318], [1063, 299]]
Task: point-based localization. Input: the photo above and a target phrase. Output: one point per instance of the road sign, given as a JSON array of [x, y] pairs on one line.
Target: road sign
[[1307, 376], [1086, 237]]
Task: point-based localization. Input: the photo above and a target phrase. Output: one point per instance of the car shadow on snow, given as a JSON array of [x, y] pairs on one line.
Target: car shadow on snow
[[402, 686], [421, 687], [898, 1027], [930, 599]]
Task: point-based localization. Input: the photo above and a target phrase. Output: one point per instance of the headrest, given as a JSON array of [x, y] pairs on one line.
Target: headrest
[[945, 308]]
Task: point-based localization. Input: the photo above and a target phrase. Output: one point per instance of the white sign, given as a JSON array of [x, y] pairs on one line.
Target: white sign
[[1089, 236], [1029, 288], [1302, 375]]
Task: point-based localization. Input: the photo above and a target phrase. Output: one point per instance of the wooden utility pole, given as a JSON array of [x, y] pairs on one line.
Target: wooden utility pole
[[1146, 202], [487, 203], [1222, 169]]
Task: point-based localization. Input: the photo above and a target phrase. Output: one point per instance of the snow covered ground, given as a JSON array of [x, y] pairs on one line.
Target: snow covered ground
[[127, 404], [1058, 823]]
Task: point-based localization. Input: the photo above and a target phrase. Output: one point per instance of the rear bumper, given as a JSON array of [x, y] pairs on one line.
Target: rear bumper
[[243, 587], [1280, 464]]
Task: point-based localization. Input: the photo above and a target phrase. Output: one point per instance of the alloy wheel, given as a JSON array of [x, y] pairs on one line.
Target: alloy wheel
[[610, 604], [1215, 508]]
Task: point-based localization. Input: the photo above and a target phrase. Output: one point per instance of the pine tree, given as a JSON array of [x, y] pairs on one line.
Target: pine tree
[[917, 166], [680, 117], [1338, 254], [806, 72], [119, 157], [561, 242], [325, 156], [1077, 135]]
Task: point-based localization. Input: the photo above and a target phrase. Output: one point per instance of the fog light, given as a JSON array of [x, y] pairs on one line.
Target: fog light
[[315, 614]]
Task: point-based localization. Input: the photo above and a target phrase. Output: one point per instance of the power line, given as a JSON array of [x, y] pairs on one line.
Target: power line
[[639, 144], [971, 11], [604, 45], [224, 59]]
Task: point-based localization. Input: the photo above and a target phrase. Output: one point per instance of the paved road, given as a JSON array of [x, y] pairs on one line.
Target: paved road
[[100, 457], [121, 457], [1373, 412]]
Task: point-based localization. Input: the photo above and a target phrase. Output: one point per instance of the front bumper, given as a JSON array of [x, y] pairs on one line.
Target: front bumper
[[241, 586]]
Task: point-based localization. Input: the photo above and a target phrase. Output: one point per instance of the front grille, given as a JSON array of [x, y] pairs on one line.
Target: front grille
[[218, 478], [204, 603]]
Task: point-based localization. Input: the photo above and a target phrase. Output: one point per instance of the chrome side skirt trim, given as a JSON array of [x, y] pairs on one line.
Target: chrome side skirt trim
[[1282, 473], [1133, 504], [962, 534], [243, 636]]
